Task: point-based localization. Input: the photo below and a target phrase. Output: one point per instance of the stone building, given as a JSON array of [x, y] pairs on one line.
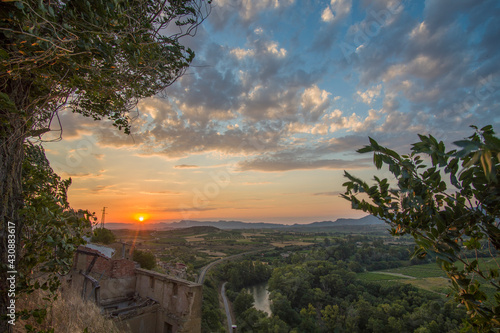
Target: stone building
[[143, 300]]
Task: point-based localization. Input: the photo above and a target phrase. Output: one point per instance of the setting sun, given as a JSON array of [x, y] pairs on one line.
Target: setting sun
[[140, 217]]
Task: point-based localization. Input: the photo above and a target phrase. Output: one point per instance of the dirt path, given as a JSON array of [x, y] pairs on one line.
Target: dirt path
[[396, 274]]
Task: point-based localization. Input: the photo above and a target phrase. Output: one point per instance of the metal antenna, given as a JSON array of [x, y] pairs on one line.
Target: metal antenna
[[102, 218]]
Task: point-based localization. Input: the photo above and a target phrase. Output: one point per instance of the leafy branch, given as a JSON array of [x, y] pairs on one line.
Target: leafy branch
[[451, 219]]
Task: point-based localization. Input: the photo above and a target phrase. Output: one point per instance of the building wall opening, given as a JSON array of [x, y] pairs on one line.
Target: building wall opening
[[167, 328]]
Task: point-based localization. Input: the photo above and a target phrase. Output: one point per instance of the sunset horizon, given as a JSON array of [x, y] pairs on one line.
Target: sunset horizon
[[278, 99]]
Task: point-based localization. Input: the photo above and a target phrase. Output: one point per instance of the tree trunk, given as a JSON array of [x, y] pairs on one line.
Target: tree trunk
[[12, 134]]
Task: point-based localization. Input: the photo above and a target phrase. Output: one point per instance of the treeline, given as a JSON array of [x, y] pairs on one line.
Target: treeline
[[362, 253], [316, 289], [319, 296], [245, 273]]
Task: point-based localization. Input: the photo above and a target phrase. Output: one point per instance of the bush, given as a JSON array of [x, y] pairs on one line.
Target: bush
[[147, 260], [104, 236]]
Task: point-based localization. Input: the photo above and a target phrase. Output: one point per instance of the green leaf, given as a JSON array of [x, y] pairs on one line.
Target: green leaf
[[365, 149], [377, 160]]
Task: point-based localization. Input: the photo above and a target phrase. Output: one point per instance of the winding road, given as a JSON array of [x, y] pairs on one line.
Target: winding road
[[206, 268], [226, 307]]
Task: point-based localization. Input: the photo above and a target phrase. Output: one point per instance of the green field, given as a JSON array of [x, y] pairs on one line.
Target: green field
[[433, 269], [171, 241], [419, 271], [428, 276], [377, 277]]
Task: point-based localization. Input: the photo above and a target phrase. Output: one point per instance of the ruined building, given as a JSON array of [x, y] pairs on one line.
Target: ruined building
[[143, 300]]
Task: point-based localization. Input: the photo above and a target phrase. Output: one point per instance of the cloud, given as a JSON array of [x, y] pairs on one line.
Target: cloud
[[186, 166], [333, 16], [243, 12], [333, 193], [327, 15], [256, 183], [270, 86], [104, 188], [337, 10], [287, 162], [431, 68], [83, 175], [187, 209], [314, 102], [308, 157], [159, 192], [242, 53], [370, 95]]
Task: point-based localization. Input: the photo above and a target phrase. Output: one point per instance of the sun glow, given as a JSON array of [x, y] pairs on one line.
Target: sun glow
[[140, 217]]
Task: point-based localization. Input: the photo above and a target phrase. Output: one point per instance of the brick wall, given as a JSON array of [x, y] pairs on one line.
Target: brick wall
[[113, 268]]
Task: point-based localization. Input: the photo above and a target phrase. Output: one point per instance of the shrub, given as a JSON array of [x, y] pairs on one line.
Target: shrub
[[104, 236], [146, 259]]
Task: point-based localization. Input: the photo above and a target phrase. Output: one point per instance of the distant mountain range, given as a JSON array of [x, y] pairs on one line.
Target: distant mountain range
[[364, 221]]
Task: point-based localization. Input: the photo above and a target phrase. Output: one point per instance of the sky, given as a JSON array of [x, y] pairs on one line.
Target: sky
[[280, 96]]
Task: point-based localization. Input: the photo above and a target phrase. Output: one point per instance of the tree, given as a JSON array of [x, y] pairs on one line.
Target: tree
[[309, 319], [52, 230], [243, 302], [446, 219], [146, 259], [282, 308], [103, 235], [332, 318], [96, 58]]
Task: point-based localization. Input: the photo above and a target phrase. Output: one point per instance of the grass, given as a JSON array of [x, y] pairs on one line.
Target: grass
[[484, 263], [437, 285], [68, 313], [171, 241], [373, 276], [434, 284], [433, 270], [419, 271], [428, 277]]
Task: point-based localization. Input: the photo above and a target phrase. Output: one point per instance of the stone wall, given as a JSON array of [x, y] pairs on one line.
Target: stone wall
[[179, 301], [116, 277]]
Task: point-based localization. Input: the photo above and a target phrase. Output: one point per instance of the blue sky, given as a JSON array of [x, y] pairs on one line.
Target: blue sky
[[279, 97]]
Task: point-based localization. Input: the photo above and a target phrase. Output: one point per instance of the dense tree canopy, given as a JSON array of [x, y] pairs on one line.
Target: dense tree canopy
[[330, 298], [96, 57], [452, 220]]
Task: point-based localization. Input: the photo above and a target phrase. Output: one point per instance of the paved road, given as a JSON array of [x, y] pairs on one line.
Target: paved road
[[226, 307], [205, 269]]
